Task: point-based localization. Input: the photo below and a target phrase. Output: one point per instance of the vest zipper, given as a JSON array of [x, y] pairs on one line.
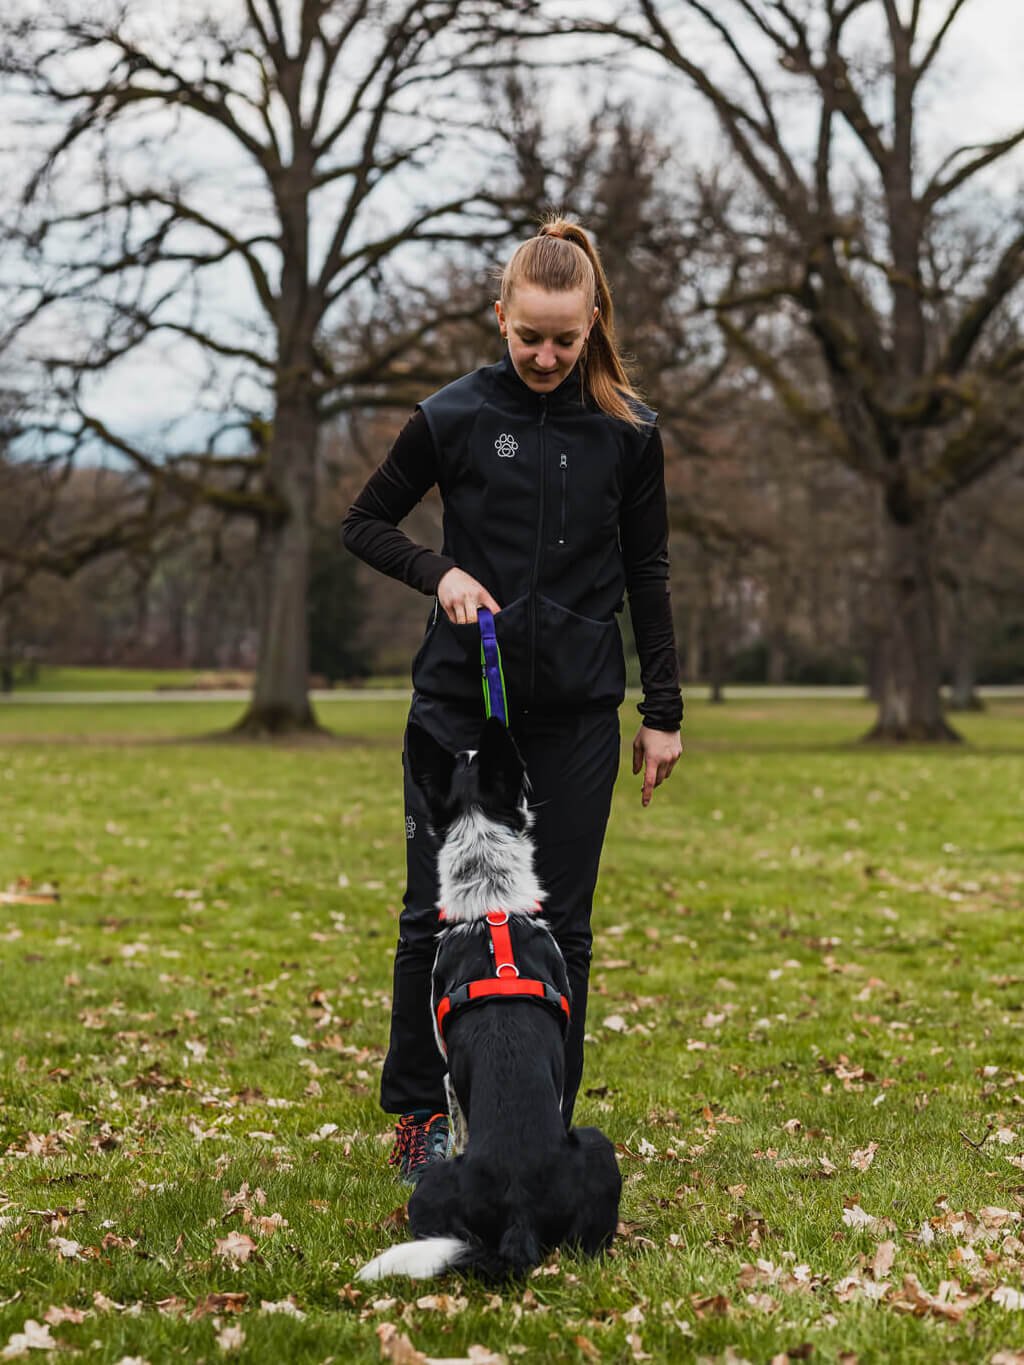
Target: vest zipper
[[537, 550], [563, 465]]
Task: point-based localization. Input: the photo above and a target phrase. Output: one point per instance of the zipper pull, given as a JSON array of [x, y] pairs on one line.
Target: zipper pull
[[543, 408], [563, 465]]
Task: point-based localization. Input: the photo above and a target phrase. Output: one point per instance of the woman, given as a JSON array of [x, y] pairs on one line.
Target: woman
[[551, 472]]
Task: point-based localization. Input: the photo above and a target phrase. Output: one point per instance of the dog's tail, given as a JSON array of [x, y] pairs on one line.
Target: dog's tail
[[420, 1260]]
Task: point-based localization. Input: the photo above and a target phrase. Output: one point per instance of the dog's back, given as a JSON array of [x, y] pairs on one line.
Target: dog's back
[[525, 1184]]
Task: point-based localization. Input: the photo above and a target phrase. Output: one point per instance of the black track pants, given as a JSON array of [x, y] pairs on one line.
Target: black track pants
[[572, 762]]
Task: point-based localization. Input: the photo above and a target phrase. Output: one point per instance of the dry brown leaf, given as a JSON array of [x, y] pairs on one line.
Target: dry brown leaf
[[55, 1316], [288, 1307], [265, 1224], [636, 1347], [219, 1303], [236, 1246], [1007, 1358], [710, 1305], [34, 1336], [171, 1305], [863, 1156], [950, 1302], [587, 1348], [448, 1304], [396, 1346], [885, 1254], [231, 1338], [856, 1217]]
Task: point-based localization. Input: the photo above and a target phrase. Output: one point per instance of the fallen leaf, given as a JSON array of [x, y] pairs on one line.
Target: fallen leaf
[[856, 1217], [396, 1346], [219, 1303], [863, 1156], [34, 1336], [231, 1338], [55, 1316], [288, 1307], [950, 1302], [236, 1246], [1010, 1299], [884, 1257], [615, 1023], [448, 1304]]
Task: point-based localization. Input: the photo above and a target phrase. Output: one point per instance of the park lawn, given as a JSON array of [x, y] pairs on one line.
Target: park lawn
[[61, 678], [805, 1034]]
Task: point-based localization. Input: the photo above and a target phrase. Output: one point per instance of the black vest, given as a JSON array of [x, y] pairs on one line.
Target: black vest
[[532, 486]]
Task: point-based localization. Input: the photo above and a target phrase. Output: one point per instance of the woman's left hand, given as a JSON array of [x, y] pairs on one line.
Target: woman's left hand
[[656, 752]]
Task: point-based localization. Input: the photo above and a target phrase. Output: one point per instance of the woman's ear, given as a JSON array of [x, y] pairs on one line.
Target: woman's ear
[[499, 313]]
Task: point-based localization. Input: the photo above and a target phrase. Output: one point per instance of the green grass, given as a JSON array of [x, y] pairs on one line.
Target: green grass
[[812, 946], [66, 679], [62, 678]]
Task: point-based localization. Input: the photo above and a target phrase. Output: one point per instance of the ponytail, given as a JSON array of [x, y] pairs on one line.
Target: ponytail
[[562, 257]]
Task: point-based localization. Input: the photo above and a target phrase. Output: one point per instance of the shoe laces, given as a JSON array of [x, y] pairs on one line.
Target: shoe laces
[[416, 1140]]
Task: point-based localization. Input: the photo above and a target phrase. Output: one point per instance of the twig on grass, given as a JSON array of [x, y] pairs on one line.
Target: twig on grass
[[978, 1145]]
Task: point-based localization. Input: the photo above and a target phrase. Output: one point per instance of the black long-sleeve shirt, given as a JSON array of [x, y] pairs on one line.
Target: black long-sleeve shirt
[[371, 531]]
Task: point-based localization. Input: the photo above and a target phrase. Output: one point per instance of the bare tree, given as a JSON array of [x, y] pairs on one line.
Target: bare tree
[[238, 179], [910, 313]]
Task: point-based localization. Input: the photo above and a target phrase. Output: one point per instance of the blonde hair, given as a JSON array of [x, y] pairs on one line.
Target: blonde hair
[[560, 258]]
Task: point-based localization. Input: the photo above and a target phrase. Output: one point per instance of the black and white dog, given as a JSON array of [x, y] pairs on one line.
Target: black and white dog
[[524, 1184]]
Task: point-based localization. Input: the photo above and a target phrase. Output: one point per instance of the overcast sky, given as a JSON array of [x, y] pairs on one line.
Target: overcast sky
[[977, 93]]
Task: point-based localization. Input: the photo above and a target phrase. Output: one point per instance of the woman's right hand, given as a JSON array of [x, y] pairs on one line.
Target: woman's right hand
[[460, 594]]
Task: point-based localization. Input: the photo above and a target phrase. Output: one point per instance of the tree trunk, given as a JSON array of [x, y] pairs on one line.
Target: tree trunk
[[692, 654], [962, 694], [778, 654], [909, 699], [280, 700], [716, 654]]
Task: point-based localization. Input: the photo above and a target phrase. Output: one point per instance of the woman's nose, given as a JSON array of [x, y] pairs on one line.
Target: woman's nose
[[546, 357]]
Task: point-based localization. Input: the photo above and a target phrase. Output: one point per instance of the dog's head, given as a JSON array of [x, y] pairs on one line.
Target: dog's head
[[491, 778]]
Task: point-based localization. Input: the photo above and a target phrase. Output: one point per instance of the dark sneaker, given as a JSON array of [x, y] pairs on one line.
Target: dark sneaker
[[421, 1138]]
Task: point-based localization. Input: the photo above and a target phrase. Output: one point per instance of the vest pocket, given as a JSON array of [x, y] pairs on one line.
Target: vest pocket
[[578, 659], [448, 662]]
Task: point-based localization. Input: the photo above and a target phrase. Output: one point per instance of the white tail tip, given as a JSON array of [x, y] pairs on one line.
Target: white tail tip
[[420, 1260]]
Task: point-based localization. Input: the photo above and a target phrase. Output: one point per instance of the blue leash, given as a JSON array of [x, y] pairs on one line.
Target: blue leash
[[495, 698]]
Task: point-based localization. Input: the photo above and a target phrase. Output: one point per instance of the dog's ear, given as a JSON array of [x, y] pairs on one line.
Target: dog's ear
[[430, 766], [500, 765]]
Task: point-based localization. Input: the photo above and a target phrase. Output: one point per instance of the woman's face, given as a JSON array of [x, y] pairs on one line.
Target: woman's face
[[546, 331]]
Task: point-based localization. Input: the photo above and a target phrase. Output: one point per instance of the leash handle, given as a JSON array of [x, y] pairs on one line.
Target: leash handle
[[495, 698]]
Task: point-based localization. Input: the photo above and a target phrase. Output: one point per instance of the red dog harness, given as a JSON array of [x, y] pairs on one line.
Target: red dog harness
[[506, 980]]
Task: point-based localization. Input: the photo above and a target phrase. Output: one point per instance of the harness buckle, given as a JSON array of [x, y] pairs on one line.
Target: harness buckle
[[497, 917], [509, 967]]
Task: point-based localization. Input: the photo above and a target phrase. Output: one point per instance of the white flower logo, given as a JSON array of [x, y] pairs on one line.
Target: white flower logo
[[506, 445], [410, 827]]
